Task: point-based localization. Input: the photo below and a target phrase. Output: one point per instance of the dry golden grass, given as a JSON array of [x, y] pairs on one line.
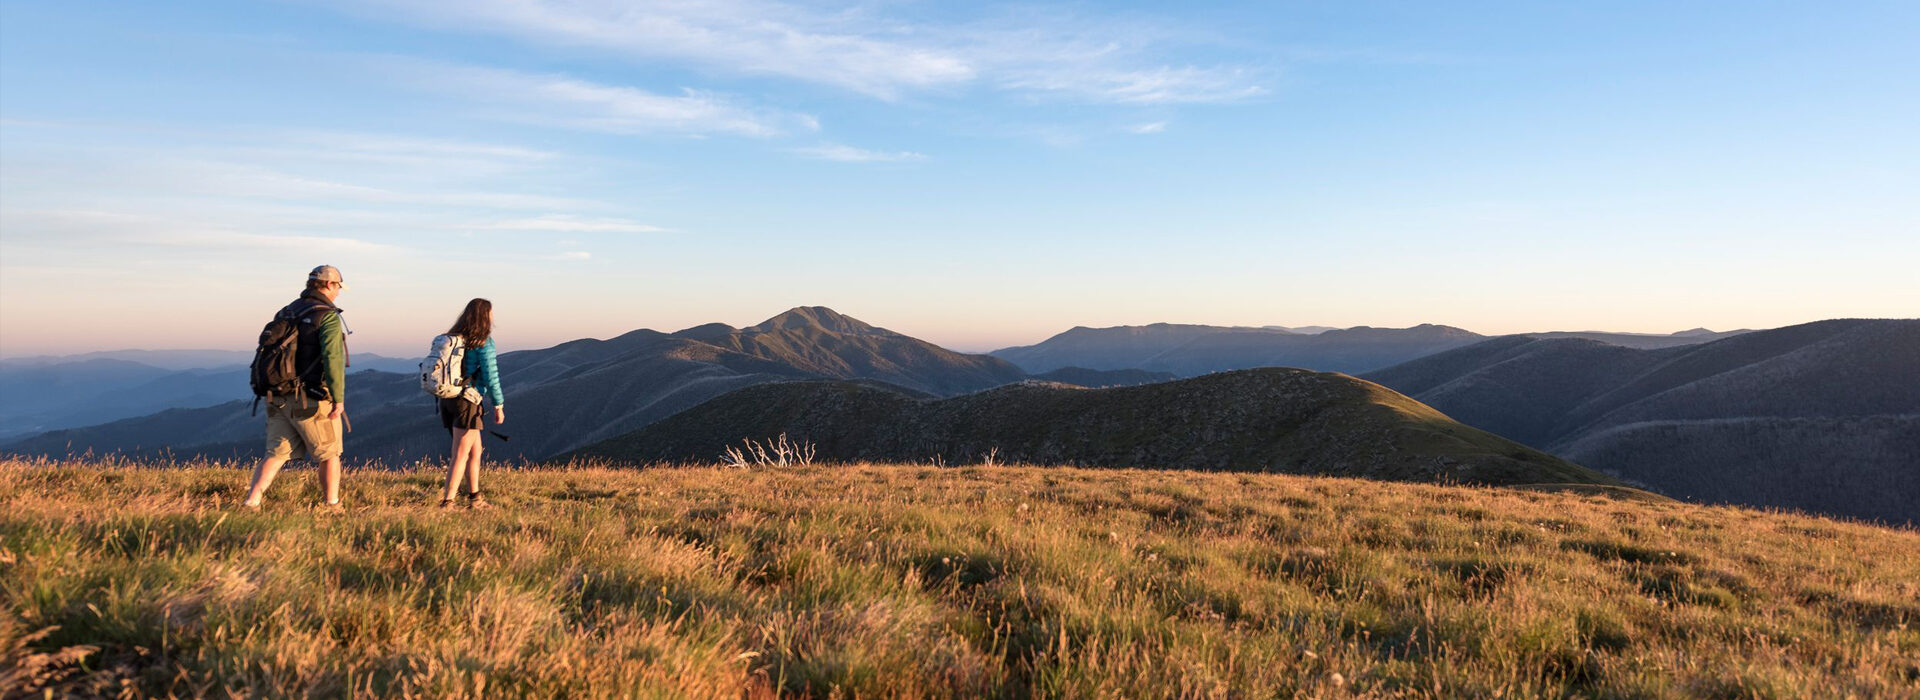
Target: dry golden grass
[[907, 581]]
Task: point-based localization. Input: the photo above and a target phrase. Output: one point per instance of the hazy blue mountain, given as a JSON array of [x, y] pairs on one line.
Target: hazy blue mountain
[[181, 360], [34, 396], [1821, 416], [1190, 350], [38, 394], [1119, 347], [1645, 341], [363, 361], [174, 360]]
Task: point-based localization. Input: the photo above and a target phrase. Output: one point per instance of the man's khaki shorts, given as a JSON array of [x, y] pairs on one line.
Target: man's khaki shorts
[[298, 426]]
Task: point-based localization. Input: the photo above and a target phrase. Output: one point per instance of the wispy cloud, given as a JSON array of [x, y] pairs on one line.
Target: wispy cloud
[[571, 256], [216, 177], [1162, 85], [123, 229], [255, 168], [217, 196], [394, 151], [389, 147], [745, 36], [1147, 128], [566, 101], [863, 49], [851, 154], [565, 223]]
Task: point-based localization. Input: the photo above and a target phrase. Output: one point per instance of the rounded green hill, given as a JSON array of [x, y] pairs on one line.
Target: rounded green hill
[[1262, 420]]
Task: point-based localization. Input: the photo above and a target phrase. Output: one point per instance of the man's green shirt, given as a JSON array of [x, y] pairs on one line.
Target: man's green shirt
[[333, 356]]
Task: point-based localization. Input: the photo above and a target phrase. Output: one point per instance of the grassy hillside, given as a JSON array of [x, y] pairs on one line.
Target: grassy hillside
[[1103, 378], [910, 581], [1821, 416], [1860, 466], [1276, 420]]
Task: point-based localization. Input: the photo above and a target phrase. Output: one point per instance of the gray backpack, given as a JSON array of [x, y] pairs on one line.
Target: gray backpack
[[440, 371]]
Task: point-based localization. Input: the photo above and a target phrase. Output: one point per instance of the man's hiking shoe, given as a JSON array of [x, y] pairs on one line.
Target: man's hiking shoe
[[477, 501], [446, 504]]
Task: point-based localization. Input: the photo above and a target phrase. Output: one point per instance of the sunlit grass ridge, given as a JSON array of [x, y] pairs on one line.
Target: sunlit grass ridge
[[908, 581]]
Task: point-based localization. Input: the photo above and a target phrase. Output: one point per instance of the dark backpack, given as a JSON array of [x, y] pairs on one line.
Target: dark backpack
[[274, 371]]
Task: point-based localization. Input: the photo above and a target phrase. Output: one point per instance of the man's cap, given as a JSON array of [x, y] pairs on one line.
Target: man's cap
[[327, 273]]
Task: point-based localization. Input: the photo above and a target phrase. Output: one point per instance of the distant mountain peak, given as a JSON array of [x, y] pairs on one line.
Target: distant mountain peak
[[705, 331], [1695, 331], [821, 317]]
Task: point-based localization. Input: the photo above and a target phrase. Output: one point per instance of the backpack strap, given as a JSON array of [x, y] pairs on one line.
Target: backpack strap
[[460, 356], [314, 308], [302, 310], [306, 313]]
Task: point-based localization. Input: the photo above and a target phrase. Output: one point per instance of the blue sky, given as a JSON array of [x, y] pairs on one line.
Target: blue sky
[[975, 174]]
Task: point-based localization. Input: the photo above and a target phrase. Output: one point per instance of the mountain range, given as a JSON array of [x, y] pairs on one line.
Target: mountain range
[[1191, 350], [1645, 341], [561, 397], [175, 360], [1821, 416], [589, 392], [583, 391], [181, 360], [38, 394], [1266, 420]]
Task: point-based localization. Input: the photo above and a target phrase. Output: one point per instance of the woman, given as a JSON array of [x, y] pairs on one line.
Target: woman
[[461, 414]]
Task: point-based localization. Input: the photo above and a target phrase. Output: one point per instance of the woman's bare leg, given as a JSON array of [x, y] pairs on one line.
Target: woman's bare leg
[[473, 462], [459, 463]]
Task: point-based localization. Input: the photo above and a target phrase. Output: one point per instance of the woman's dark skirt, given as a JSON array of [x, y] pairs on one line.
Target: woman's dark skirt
[[458, 413]]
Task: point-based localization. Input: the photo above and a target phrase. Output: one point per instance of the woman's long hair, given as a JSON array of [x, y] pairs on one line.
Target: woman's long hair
[[475, 323]]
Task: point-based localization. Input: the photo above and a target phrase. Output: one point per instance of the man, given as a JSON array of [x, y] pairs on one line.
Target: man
[[307, 421]]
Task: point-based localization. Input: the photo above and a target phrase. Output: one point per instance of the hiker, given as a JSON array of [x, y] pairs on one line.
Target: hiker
[[480, 373], [300, 370]]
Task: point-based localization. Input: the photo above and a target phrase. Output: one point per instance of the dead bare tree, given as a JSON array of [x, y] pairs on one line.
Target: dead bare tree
[[777, 452]]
